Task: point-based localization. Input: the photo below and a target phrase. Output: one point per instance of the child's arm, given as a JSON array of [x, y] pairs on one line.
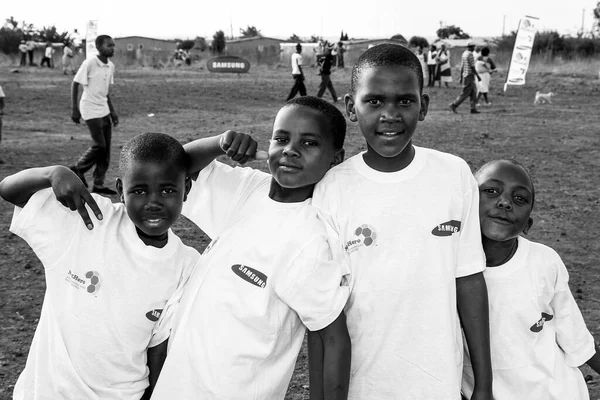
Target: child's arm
[[1, 105], [473, 310], [238, 146], [68, 189], [156, 360], [113, 114], [594, 362], [329, 354], [75, 114]]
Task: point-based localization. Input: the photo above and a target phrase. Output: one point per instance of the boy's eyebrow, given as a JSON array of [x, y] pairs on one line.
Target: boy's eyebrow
[[410, 96], [497, 181]]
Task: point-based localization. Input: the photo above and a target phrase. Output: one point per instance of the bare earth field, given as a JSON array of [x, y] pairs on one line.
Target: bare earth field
[[559, 144]]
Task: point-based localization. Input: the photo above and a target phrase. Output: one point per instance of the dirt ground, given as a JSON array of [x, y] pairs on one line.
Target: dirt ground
[[559, 144]]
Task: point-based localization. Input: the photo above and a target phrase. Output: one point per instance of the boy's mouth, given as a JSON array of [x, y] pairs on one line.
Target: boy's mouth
[[389, 133], [153, 222], [501, 219], [289, 167]]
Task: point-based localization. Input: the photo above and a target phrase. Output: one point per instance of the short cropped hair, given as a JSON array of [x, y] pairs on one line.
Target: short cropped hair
[[100, 40], [515, 163], [334, 117], [485, 51], [386, 55], [153, 147]]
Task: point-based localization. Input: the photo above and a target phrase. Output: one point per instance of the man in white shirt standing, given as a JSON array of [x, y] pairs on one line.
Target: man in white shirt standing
[[96, 74], [297, 74]]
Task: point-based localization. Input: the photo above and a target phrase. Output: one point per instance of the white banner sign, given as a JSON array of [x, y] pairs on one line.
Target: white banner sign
[[522, 52], [91, 33]]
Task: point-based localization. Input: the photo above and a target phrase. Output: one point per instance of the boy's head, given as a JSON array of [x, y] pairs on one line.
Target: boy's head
[[506, 198], [299, 48], [105, 45], [485, 51], [387, 101], [308, 139], [153, 183]]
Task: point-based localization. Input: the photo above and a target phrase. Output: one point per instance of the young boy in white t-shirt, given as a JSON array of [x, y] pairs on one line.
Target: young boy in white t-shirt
[[538, 335], [407, 219], [106, 287], [268, 273]]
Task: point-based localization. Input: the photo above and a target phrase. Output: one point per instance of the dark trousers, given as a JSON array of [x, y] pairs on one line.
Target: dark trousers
[[298, 87], [98, 153], [326, 84], [431, 69], [23, 60], [469, 91], [45, 60], [30, 52]]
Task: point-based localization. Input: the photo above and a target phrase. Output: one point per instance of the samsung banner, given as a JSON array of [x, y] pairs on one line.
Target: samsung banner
[[91, 33], [521, 55]]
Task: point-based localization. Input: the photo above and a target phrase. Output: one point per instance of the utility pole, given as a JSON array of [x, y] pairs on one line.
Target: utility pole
[[503, 24], [230, 26], [582, 22]]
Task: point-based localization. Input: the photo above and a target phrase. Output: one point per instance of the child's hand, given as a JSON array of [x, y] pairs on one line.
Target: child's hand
[[76, 116], [240, 147], [71, 193]]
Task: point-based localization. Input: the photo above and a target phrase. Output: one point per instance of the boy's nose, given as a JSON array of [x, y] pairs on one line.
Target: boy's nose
[[290, 151], [504, 203], [391, 115]]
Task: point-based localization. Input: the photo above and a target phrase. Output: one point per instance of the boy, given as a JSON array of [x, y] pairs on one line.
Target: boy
[[537, 333], [104, 288], [407, 219], [96, 74], [268, 272], [297, 74]]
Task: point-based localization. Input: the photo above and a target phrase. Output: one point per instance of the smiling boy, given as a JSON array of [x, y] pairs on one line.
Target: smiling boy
[[407, 218], [268, 273], [106, 285], [538, 334]]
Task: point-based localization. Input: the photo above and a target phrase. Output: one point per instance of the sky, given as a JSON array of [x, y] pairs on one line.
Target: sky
[[169, 19]]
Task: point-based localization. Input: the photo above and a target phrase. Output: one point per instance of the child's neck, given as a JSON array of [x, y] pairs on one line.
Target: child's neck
[[154, 241], [392, 164], [499, 253], [287, 195], [102, 58]]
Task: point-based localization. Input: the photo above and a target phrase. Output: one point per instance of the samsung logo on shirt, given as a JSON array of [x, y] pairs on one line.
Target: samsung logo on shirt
[[446, 228], [250, 275]]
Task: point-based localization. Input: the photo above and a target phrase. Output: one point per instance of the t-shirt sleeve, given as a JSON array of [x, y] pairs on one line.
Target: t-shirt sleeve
[[215, 194], [572, 334], [49, 227], [82, 73], [1, 92], [471, 258], [316, 284]]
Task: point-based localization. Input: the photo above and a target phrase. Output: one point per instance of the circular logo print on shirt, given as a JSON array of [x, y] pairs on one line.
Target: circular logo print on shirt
[[366, 234], [94, 282]]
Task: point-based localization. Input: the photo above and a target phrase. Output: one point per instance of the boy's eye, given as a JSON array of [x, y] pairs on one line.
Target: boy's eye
[[521, 200], [309, 143], [138, 191], [375, 102], [405, 102], [279, 139], [490, 191], [169, 191]]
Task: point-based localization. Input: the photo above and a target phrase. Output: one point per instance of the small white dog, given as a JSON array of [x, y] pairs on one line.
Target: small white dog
[[543, 98]]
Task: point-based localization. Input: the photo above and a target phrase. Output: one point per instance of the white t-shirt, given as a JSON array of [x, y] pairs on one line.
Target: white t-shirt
[[49, 51], [296, 62], [538, 336], [105, 290], [267, 274], [409, 235], [1, 92], [96, 78]]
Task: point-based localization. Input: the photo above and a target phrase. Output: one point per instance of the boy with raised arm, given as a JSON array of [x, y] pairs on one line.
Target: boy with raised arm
[[407, 219], [268, 273], [106, 287]]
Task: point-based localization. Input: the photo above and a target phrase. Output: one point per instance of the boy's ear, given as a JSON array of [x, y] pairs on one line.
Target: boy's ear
[[119, 186], [188, 187], [349, 101], [528, 225], [338, 158], [424, 106]]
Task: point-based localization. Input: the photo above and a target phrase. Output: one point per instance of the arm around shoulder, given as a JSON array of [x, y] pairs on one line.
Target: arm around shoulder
[[156, 360]]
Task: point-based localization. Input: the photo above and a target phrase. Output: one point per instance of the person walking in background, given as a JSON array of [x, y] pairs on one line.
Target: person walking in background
[[423, 60], [431, 65], [485, 67], [96, 74], [67, 59], [467, 78], [325, 72], [30, 48], [297, 74], [23, 51], [47, 59], [444, 69], [340, 55]]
